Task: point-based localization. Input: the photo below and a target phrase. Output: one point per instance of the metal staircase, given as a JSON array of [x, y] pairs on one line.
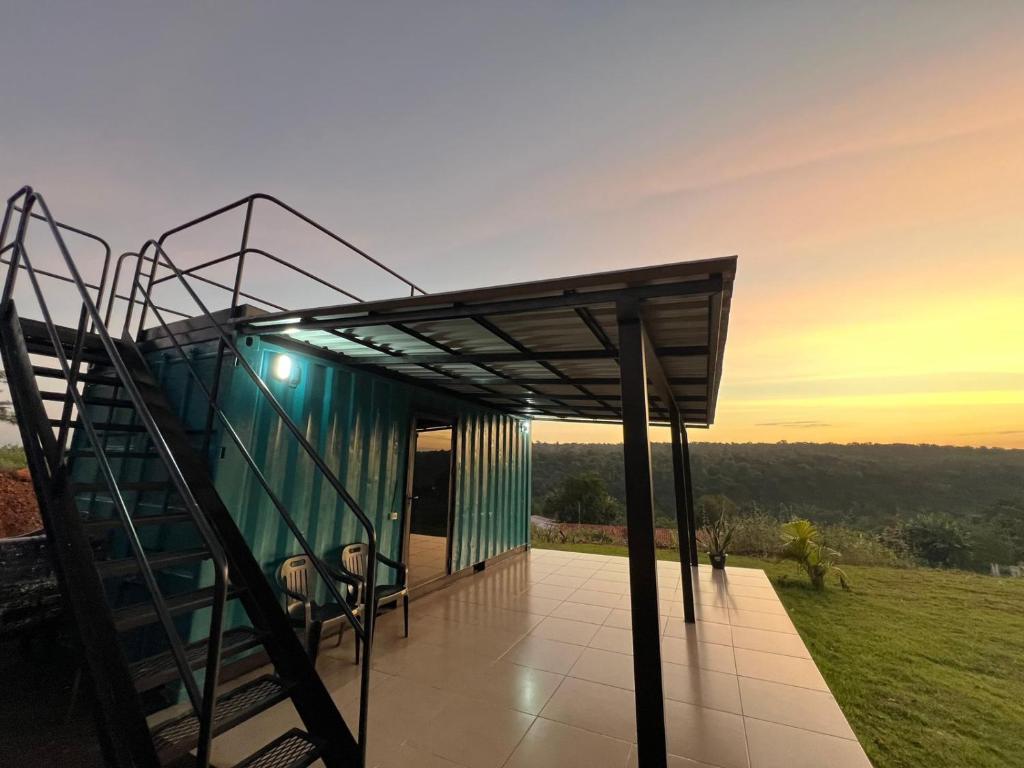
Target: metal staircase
[[146, 550]]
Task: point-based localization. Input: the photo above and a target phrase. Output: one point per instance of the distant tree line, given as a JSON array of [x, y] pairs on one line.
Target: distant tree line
[[945, 506]]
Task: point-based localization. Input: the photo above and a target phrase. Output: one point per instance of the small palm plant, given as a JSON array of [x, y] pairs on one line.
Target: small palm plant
[[801, 545], [716, 537]]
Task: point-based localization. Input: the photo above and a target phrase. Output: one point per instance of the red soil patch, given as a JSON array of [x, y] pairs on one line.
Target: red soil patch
[[19, 512]]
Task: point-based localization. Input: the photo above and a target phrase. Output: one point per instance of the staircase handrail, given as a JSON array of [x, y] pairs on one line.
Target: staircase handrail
[[204, 704], [249, 202], [104, 273], [261, 478], [227, 340]]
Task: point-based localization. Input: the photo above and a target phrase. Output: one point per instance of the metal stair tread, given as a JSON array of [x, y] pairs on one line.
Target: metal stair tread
[[142, 613], [45, 349], [154, 671], [101, 426], [157, 561], [36, 329], [173, 738], [88, 378], [104, 524], [113, 453], [293, 749], [113, 402], [113, 426], [131, 485]]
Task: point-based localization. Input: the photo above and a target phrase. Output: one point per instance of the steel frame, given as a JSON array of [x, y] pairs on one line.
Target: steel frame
[[529, 357], [643, 569], [684, 523], [377, 313], [688, 483], [345, 321]]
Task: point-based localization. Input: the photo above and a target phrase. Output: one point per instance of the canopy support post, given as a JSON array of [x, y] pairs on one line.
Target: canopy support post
[[688, 478], [684, 523], [643, 570]]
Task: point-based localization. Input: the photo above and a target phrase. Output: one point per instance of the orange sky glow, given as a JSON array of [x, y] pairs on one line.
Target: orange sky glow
[[880, 288]]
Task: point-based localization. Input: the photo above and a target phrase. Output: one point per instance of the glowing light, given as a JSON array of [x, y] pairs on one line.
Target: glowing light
[[282, 367]]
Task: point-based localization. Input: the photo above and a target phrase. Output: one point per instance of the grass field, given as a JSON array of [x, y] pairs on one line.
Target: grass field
[[927, 665]]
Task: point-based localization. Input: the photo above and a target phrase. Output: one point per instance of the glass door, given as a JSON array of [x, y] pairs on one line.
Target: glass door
[[430, 502]]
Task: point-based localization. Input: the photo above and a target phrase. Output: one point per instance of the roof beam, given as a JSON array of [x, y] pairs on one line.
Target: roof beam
[[657, 407], [513, 342], [679, 398], [597, 330], [656, 421], [655, 373], [518, 357], [715, 303], [379, 364], [601, 382], [655, 416], [474, 397], [450, 351], [477, 397], [356, 318]]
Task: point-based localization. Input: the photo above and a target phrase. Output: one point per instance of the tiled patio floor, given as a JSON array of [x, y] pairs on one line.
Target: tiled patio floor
[[427, 558], [528, 665]]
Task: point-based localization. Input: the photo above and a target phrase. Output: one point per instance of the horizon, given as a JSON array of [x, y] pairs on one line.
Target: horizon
[[866, 164], [798, 442]]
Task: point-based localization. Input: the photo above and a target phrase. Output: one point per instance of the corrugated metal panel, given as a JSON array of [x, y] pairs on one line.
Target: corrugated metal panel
[[537, 341], [492, 486], [359, 424]]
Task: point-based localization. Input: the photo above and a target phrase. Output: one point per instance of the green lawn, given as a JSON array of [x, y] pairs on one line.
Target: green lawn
[[927, 665]]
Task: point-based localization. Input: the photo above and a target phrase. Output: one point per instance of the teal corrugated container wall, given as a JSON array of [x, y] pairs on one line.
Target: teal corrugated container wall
[[492, 486], [360, 424]]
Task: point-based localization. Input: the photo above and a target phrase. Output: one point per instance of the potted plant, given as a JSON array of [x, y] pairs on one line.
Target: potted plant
[[717, 536]]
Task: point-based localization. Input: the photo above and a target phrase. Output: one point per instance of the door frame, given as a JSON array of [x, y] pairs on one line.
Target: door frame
[[410, 472]]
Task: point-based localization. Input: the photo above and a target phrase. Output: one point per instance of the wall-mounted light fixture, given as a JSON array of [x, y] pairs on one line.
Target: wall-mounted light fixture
[[282, 367]]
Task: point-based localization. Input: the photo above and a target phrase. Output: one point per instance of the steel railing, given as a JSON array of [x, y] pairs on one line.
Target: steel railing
[[98, 287], [104, 272], [240, 255], [364, 624], [129, 298], [203, 702]]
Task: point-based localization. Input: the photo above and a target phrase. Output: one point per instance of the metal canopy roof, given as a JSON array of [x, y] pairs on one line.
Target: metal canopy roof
[[545, 349]]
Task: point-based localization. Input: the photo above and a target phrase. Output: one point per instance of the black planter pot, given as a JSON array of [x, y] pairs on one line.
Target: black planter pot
[[718, 561]]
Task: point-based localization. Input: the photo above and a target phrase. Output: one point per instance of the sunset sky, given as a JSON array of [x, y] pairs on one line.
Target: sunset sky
[[864, 160]]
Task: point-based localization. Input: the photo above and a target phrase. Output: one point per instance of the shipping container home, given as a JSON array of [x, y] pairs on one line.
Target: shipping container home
[[216, 463], [445, 481]]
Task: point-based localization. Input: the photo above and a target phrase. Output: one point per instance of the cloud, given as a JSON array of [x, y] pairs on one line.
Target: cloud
[[995, 432], [794, 424]]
